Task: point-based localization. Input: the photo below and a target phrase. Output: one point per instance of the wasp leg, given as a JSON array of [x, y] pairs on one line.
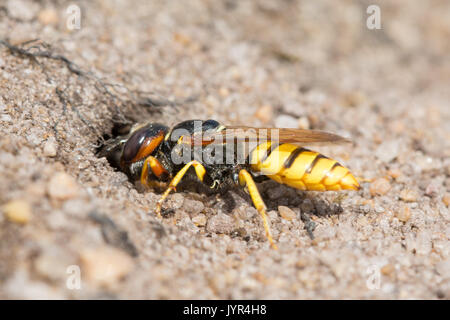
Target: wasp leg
[[245, 179], [155, 166], [199, 170]]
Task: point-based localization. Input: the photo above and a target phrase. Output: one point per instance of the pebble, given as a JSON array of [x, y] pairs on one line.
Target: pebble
[[387, 269], [5, 118], [275, 193], [380, 186], [443, 268], [432, 190], [224, 92], [394, 173], [423, 243], [105, 265], [53, 262], [183, 39], [244, 213], [220, 223], [301, 263], [22, 10], [404, 214], [409, 195], [355, 98], [63, 187], [234, 246], [446, 199], [49, 148], [18, 211], [177, 201], [48, 16], [286, 213], [199, 220], [285, 121], [193, 207], [264, 113], [77, 207], [388, 151], [307, 206], [303, 123]]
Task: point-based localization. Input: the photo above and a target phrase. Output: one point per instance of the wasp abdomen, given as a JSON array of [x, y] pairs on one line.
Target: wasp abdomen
[[301, 168]]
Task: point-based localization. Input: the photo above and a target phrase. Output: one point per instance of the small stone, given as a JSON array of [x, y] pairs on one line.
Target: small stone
[[53, 262], [388, 269], [224, 92], [17, 211], [22, 10], [233, 247], [355, 98], [264, 113], [404, 214], [182, 38], [423, 243], [285, 121], [443, 268], [193, 207], [446, 199], [275, 193], [5, 118], [409, 195], [77, 207], [286, 213], [48, 16], [105, 265], [303, 123], [398, 126], [307, 206], [394, 173], [388, 151], [49, 148], [177, 201], [220, 223], [432, 190], [244, 213], [380, 186], [301, 263], [199, 220], [62, 187]]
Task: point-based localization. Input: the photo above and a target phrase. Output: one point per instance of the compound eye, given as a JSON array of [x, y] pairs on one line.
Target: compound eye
[[142, 143]]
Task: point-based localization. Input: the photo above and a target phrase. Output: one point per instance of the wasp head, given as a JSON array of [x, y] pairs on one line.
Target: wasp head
[[142, 142]]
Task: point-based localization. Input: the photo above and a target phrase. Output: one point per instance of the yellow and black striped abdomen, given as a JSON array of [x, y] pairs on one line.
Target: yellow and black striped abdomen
[[301, 168]]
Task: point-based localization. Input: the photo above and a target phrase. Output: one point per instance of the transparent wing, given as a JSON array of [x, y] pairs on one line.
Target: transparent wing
[[234, 134]]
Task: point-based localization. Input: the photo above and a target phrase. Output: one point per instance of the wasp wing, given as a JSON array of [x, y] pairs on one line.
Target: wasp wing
[[234, 134]]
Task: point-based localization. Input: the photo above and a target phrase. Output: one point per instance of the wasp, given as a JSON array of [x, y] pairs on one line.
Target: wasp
[[221, 156]]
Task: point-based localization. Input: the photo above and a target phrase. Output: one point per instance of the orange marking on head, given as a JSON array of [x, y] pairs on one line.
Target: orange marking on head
[[148, 146]]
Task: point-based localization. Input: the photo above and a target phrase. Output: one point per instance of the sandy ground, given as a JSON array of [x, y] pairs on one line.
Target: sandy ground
[[67, 213]]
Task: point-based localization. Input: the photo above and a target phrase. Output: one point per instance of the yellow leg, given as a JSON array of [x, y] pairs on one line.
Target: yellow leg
[[199, 170], [155, 166], [245, 179]]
